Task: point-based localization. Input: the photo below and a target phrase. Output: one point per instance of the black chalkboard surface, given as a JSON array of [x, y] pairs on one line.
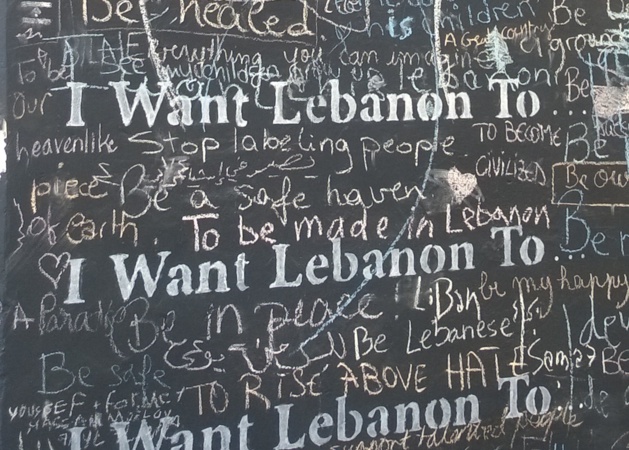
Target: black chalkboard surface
[[302, 224]]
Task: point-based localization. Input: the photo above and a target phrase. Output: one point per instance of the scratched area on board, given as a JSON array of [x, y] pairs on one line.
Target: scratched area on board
[[304, 224]]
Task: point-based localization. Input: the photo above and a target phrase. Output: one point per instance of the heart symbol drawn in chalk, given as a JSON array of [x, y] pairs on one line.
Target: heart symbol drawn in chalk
[[52, 266], [462, 184]]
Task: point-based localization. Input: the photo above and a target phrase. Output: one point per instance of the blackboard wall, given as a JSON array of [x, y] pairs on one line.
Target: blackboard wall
[[339, 224]]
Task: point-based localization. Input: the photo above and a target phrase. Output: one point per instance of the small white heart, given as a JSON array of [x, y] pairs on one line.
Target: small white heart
[[52, 266], [462, 184]]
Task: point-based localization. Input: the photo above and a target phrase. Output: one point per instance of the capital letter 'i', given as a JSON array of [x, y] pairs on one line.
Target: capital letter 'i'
[[76, 100], [74, 290]]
